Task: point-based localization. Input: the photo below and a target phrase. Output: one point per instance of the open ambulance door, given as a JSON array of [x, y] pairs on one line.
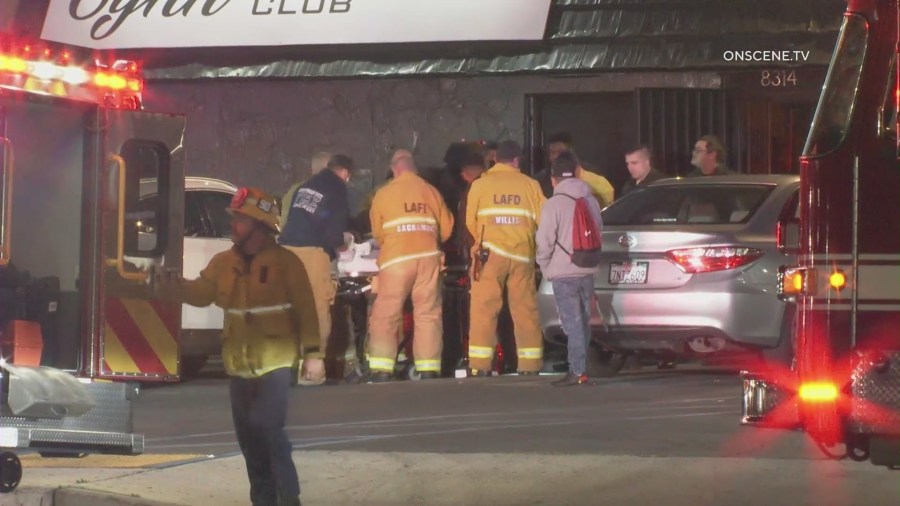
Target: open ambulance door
[[141, 161]]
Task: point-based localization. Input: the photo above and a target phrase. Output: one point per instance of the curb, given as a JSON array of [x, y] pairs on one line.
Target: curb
[[28, 497], [72, 496]]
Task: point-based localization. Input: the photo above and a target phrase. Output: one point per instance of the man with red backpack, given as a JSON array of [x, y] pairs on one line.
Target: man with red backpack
[[568, 251]]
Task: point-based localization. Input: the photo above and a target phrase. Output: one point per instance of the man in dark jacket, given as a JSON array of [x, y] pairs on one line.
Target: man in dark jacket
[[451, 182], [461, 242], [317, 221], [490, 155], [640, 165], [557, 143], [708, 158]]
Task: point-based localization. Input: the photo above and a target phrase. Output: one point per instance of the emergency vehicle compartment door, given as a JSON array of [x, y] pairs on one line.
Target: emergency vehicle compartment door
[[142, 174]]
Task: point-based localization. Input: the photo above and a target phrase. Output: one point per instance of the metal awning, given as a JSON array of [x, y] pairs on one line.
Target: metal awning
[[582, 36]]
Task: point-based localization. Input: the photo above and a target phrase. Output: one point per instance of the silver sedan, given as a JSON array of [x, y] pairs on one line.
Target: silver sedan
[[689, 270]]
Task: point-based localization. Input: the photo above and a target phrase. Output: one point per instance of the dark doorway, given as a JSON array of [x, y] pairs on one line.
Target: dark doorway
[[763, 128], [672, 119], [773, 111], [771, 134], [603, 126]]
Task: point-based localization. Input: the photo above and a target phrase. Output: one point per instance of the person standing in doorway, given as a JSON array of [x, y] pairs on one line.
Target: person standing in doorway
[[640, 165], [708, 158], [601, 189], [556, 144], [490, 155]]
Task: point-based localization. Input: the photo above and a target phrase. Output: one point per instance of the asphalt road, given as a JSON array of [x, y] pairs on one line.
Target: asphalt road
[[683, 413], [644, 437]]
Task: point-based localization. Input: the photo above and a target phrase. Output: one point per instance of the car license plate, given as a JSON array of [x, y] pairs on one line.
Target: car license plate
[[628, 273]]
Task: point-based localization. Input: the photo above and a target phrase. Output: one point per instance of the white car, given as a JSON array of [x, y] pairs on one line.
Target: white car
[[207, 232]]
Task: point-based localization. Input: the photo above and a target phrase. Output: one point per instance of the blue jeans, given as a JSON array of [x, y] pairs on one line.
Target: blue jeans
[[573, 301], [259, 410]]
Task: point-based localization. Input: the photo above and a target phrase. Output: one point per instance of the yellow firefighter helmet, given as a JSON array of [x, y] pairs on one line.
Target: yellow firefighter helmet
[[258, 205]]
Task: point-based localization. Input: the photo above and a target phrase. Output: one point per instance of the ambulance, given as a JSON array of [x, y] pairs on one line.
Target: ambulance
[[84, 316]]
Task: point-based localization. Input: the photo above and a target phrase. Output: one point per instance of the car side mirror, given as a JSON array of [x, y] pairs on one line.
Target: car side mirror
[[787, 236]]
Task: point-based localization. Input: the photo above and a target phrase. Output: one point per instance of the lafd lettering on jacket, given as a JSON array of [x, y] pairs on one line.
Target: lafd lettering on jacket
[[515, 200], [409, 220], [502, 212], [514, 215]]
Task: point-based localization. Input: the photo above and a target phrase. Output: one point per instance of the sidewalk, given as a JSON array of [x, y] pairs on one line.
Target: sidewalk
[[374, 479]]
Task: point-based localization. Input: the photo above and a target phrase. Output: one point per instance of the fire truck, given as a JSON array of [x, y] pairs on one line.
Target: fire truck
[[843, 385], [83, 259]]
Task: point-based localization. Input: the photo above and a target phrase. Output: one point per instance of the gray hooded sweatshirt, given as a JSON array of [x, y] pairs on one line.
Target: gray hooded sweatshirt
[[556, 226]]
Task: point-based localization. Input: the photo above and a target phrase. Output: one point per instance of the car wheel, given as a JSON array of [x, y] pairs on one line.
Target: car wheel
[[604, 363], [192, 365], [10, 472]]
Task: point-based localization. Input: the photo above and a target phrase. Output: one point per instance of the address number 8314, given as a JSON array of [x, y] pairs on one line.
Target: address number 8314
[[778, 78]]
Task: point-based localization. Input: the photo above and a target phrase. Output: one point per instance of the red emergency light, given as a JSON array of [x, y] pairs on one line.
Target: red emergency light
[[43, 70], [814, 393]]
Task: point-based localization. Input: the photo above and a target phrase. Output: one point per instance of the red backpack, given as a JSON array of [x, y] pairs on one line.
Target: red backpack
[[586, 238]]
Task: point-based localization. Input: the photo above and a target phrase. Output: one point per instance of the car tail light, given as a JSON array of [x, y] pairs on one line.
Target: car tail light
[[718, 258]]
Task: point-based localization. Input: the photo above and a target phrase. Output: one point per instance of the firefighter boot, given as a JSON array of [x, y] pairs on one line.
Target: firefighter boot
[[379, 377]]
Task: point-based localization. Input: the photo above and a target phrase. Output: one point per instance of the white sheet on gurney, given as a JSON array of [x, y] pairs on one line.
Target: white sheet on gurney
[[358, 259]]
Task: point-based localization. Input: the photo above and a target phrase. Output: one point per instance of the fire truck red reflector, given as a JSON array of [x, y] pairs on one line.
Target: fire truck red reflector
[[720, 258], [818, 392]]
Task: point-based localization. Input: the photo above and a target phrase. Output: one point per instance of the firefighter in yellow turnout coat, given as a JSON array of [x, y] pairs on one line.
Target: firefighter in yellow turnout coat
[[503, 209], [409, 222], [270, 317]]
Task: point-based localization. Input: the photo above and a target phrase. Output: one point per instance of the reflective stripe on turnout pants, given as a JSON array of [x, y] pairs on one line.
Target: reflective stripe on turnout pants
[[486, 302], [421, 279]]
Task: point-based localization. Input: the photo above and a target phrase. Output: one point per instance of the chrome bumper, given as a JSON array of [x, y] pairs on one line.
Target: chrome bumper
[[72, 441], [766, 404], [48, 410]]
